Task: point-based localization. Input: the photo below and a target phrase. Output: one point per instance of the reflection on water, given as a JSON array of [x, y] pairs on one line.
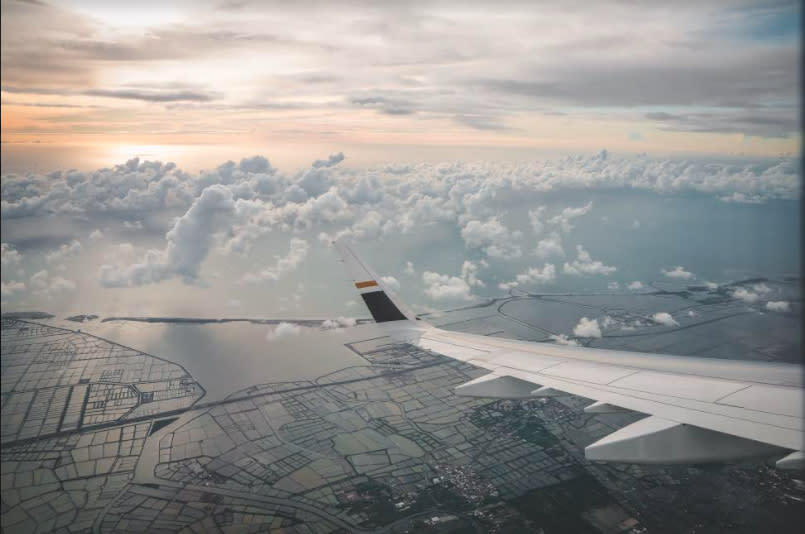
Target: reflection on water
[[229, 357]]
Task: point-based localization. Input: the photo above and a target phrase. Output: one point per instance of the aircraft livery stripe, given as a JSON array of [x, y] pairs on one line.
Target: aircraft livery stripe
[[381, 307], [368, 283]]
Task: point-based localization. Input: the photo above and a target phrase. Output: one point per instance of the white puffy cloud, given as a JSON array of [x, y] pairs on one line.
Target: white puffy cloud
[[587, 328], [562, 339], [391, 282], [43, 283], [495, 239], [443, 287], [331, 161], [778, 306], [338, 323], [664, 318], [678, 273], [550, 246], [584, 265], [64, 251], [96, 235], [409, 268], [742, 198], [9, 255], [469, 272], [11, 288], [531, 276], [535, 218], [635, 286], [563, 219], [297, 252], [283, 330], [752, 293], [188, 243]]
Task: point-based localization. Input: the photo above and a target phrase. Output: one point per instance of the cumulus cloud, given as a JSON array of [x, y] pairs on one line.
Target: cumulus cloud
[[331, 161], [11, 288], [409, 268], [9, 255], [535, 219], [635, 286], [742, 198], [751, 294], [469, 273], [678, 273], [443, 287], [562, 339], [493, 238], [283, 330], [550, 246], [43, 283], [531, 276], [391, 282], [64, 251], [96, 235], [587, 328], [664, 318], [778, 306], [564, 219], [188, 243], [584, 265], [297, 252], [613, 286], [338, 323]]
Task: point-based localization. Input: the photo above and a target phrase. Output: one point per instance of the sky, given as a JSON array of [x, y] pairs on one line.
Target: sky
[[90, 84], [197, 159]]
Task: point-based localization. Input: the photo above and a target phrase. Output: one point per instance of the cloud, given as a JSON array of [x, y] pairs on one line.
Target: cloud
[[535, 219], [635, 286], [64, 251], [564, 219], [664, 318], [43, 283], [152, 96], [96, 235], [781, 306], [469, 273], [11, 288], [751, 294], [562, 339], [742, 198], [391, 282], [338, 323], [409, 268], [678, 273], [584, 265], [331, 161], [495, 239], [283, 330], [188, 244], [550, 246], [9, 255], [587, 328], [531, 276], [613, 286], [443, 287], [298, 250]]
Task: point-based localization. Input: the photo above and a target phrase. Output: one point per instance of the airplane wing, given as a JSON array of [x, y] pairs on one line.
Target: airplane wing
[[698, 409]]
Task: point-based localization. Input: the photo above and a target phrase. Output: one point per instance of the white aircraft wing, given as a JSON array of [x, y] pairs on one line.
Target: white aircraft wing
[[699, 409]]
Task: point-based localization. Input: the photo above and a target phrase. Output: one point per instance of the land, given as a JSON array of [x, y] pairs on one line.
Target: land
[[104, 438]]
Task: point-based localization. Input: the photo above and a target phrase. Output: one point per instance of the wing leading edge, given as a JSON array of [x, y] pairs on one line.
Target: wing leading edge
[[699, 409]]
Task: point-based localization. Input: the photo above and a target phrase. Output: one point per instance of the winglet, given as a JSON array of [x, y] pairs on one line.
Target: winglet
[[382, 303]]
